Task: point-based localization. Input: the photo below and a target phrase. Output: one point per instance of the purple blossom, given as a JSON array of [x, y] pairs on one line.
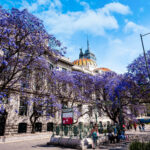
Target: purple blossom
[[5, 63]]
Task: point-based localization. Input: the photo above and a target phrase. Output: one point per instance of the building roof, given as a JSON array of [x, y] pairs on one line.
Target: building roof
[[84, 62], [102, 69], [87, 53]]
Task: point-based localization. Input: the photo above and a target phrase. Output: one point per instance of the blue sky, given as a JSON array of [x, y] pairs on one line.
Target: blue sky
[[113, 26]]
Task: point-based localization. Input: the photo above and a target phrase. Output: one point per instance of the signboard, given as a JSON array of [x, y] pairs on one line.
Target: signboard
[[67, 116]]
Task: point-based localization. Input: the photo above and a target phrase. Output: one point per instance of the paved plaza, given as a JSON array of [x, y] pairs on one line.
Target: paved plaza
[[41, 144], [29, 145]]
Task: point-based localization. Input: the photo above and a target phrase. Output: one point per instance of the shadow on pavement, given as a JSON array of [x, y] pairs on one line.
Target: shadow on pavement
[[52, 146], [116, 146]]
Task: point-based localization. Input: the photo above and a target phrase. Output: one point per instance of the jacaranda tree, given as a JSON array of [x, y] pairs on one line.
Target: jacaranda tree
[[83, 95], [25, 49], [115, 94], [137, 70], [73, 89]]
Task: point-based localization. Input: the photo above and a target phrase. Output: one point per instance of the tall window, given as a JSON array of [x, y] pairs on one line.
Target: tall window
[[39, 80], [51, 86], [80, 108], [51, 67], [38, 109], [25, 79], [64, 69], [90, 111], [23, 106], [5, 98], [64, 104], [50, 110]]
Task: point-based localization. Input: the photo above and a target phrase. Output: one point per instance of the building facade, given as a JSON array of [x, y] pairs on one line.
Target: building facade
[[17, 118]]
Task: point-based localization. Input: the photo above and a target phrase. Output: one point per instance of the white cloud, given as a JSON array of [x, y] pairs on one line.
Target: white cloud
[[116, 41], [33, 7], [116, 7], [133, 27], [55, 4], [121, 52], [42, 2], [95, 22], [91, 21], [84, 4]]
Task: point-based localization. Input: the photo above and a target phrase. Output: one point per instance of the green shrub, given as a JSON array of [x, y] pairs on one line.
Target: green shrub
[[147, 146], [139, 146], [105, 131]]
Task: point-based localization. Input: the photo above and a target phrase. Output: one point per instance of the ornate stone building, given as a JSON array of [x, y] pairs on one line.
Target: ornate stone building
[[19, 112]]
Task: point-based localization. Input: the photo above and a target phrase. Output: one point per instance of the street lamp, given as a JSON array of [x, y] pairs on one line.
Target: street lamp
[[95, 113], [146, 62]]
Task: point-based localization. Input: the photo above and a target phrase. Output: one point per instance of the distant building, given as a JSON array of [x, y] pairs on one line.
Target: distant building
[[87, 62]]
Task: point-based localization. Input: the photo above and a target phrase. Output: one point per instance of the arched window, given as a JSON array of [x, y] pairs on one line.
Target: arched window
[[38, 127], [51, 66], [22, 128], [3, 117], [50, 126]]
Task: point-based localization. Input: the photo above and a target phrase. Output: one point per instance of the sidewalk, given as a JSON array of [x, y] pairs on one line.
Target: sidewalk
[[47, 135], [147, 131], [25, 137], [142, 136]]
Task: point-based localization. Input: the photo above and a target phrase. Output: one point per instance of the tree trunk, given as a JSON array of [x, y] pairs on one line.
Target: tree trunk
[[33, 119], [33, 128]]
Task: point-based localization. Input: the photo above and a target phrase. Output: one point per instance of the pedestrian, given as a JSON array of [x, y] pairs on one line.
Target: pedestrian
[[140, 128], [115, 130], [118, 135], [143, 126], [94, 134], [128, 126], [123, 128], [111, 137], [134, 125]]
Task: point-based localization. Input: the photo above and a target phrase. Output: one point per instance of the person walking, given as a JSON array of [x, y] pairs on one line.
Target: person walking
[[128, 126], [143, 127], [94, 134], [134, 125], [115, 130], [140, 128], [123, 128]]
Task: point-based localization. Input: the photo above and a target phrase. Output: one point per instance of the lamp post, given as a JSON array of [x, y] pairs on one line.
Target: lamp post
[[96, 113], [96, 110], [121, 118], [146, 62]]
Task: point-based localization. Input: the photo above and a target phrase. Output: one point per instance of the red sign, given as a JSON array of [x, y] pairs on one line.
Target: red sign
[[67, 117]]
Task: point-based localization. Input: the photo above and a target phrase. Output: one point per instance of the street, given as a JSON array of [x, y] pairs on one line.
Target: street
[[41, 144], [30, 145]]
